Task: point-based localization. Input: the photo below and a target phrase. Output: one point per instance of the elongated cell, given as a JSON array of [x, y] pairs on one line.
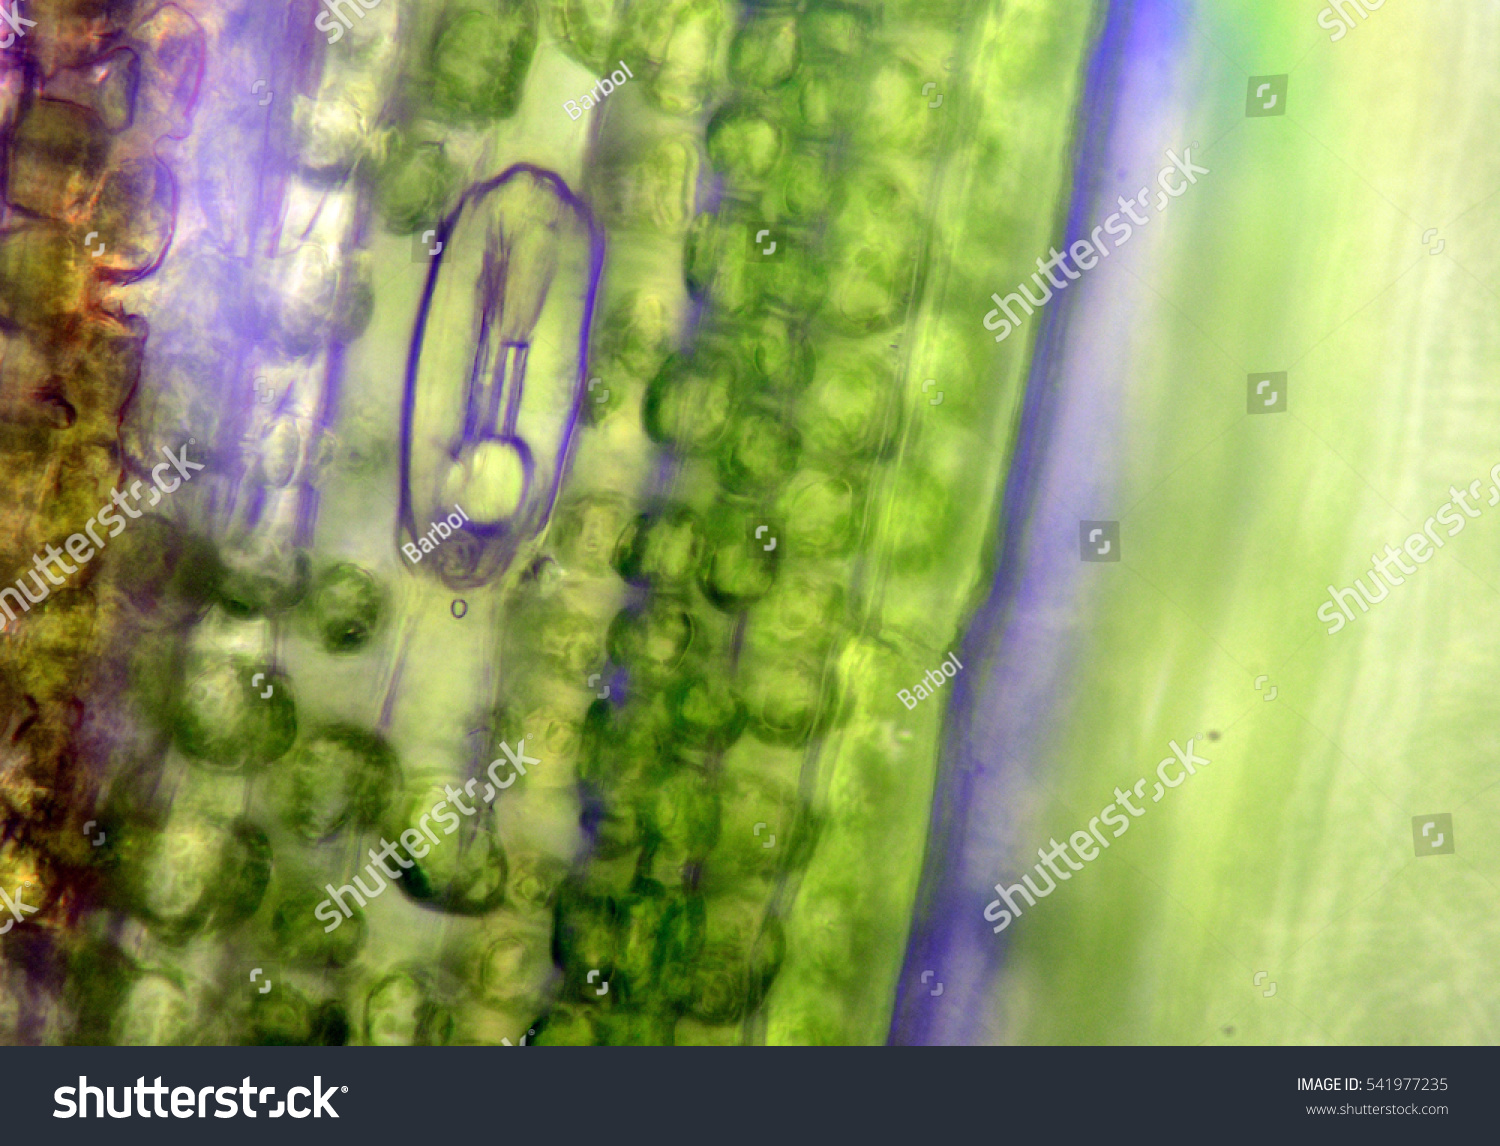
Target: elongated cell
[[584, 940], [342, 94], [310, 293], [495, 379], [659, 933], [311, 289], [872, 257], [633, 339], [740, 955]]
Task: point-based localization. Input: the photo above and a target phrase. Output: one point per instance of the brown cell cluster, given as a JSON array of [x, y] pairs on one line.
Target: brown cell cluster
[[93, 97]]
